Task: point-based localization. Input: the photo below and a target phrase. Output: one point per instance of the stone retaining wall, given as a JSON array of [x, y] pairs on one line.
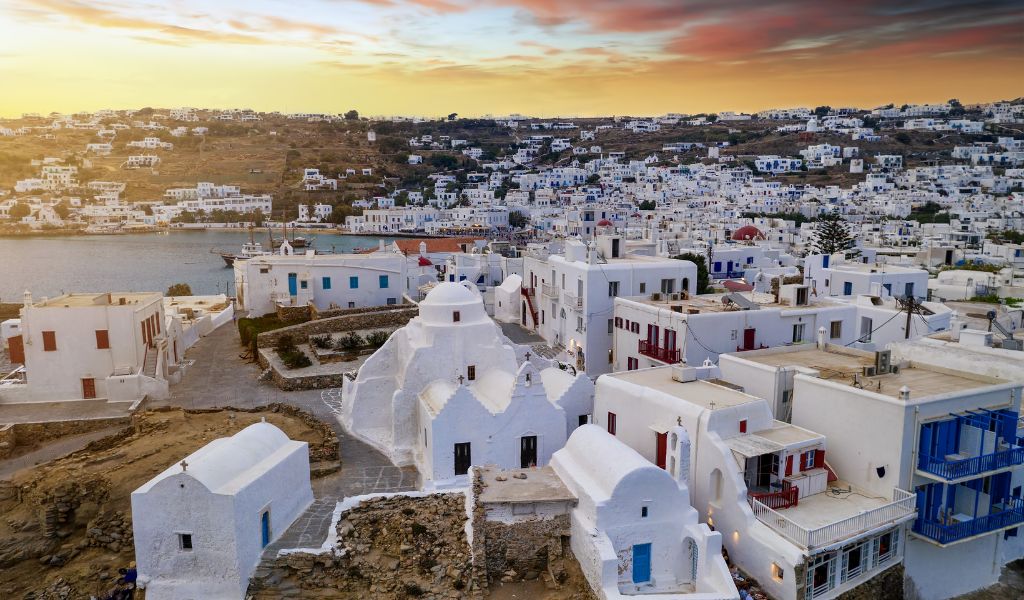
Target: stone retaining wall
[[14, 436], [315, 313], [293, 314], [381, 318]]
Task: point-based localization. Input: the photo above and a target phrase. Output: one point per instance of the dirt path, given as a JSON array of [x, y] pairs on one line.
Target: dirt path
[[52, 451]]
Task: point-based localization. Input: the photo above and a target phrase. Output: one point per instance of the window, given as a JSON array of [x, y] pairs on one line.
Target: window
[[636, 327], [611, 423], [611, 326], [798, 333], [668, 286], [807, 460], [304, 284], [471, 372], [618, 322], [632, 364], [908, 289], [643, 287], [185, 541], [777, 572], [718, 267], [351, 304], [392, 300], [383, 279], [643, 512], [456, 316], [613, 289], [325, 283], [102, 339], [49, 341], [353, 283], [836, 330], [743, 425]]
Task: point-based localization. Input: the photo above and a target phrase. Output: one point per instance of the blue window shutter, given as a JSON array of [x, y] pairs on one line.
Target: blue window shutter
[[326, 283], [383, 281], [353, 282]]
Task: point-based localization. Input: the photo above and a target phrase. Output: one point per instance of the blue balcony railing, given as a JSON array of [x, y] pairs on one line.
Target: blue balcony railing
[[1012, 514], [969, 467]]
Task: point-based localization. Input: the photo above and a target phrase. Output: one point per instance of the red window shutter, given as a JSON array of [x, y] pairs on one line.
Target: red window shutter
[[789, 465], [611, 423], [743, 426], [819, 459], [102, 339], [49, 341]]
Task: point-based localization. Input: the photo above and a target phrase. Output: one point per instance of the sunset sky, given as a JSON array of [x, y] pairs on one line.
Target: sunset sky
[[541, 57]]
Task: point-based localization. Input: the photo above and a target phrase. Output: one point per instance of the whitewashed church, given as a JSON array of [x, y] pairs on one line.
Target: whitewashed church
[[201, 525], [447, 391]]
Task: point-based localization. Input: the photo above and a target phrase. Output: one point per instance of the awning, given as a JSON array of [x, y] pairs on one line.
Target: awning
[[752, 445]]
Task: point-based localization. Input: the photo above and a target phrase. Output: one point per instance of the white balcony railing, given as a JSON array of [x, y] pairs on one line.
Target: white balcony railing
[[549, 290], [902, 507], [573, 301]]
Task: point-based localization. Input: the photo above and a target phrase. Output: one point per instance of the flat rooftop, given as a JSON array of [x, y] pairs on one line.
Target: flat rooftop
[[715, 303], [99, 299], [702, 393], [840, 366], [857, 267], [839, 501], [539, 485]]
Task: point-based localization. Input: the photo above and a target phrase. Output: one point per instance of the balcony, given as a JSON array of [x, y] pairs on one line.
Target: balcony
[[549, 290], [665, 355], [777, 500], [955, 466], [821, 520], [573, 301], [1011, 515]]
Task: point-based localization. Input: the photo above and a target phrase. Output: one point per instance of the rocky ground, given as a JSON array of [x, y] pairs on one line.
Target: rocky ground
[[65, 526], [401, 547]]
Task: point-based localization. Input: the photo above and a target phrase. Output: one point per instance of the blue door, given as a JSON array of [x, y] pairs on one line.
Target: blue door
[[265, 527], [293, 284], [641, 563], [847, 288]]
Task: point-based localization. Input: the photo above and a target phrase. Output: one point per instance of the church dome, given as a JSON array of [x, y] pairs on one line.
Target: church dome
[[747, 232], [449, 292], [452, 303]]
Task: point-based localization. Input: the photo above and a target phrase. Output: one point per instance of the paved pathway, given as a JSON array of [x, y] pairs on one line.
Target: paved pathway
[[52, 451], [220, 377]]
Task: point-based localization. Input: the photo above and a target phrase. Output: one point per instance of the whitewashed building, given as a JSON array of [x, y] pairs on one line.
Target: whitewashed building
[[200, 527], [449, 391], [634, 531]]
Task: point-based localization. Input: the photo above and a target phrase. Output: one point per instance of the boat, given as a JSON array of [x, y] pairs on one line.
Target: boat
[[250, 249]]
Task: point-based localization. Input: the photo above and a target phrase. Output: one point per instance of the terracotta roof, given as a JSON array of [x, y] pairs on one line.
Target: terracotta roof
[[451, 244]]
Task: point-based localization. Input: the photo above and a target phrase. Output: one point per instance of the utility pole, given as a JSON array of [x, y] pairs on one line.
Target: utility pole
[[911, 302]]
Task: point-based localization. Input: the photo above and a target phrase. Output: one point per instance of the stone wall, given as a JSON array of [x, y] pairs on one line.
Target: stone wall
[[293, 314], [315, 313], [19, 436], [382, 318], [887, 585]]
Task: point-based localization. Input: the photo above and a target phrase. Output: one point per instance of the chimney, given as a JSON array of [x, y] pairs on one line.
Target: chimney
[[27, 299], [905, 393], [423, 248], [821, 338]]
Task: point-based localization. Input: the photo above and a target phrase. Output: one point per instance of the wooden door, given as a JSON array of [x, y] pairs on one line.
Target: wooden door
[[16, 349], [660, 449], [88, 388]]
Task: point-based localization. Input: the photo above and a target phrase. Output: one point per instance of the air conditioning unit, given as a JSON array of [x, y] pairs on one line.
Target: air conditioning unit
[[656, 296], [883, 360], [869, 371]]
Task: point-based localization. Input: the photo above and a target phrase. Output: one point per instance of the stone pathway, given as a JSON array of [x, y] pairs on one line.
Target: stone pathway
[[220, 377]]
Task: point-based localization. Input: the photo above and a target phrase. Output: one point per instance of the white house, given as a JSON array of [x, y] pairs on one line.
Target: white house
[[949, 435], [833, 276], [634, 531], [786, 519], [325, 280], [112, 346], [448, 391], [569, 297], [201, 525]]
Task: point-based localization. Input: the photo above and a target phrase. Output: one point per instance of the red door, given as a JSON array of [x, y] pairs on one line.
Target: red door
[[16, 349], [88, 388], [652, 335], [661, 448], [748, 338], [789, 465]]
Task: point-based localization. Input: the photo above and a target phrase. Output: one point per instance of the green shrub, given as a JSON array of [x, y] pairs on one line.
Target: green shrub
[[284, 343], [294, 358], [323, 342], [350, 341], [377, 338], [250, 328]]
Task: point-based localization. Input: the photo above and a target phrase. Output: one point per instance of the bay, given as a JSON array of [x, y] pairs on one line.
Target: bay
[[143, 262]]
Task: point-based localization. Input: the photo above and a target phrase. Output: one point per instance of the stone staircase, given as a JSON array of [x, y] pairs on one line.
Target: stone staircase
[[149, 366]]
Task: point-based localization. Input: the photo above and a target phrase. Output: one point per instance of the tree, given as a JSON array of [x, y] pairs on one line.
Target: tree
[[821, 111], [453, 116], [703, 279], [648, 205], [593, 179], [832, 235], [517, 220], [63, 210], [19, 210], [179, 289], [902, 137], [352, 115]]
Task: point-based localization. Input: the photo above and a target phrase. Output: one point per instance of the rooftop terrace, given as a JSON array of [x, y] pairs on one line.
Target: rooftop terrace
[[700, 392], [842, 364], [104, 299]]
